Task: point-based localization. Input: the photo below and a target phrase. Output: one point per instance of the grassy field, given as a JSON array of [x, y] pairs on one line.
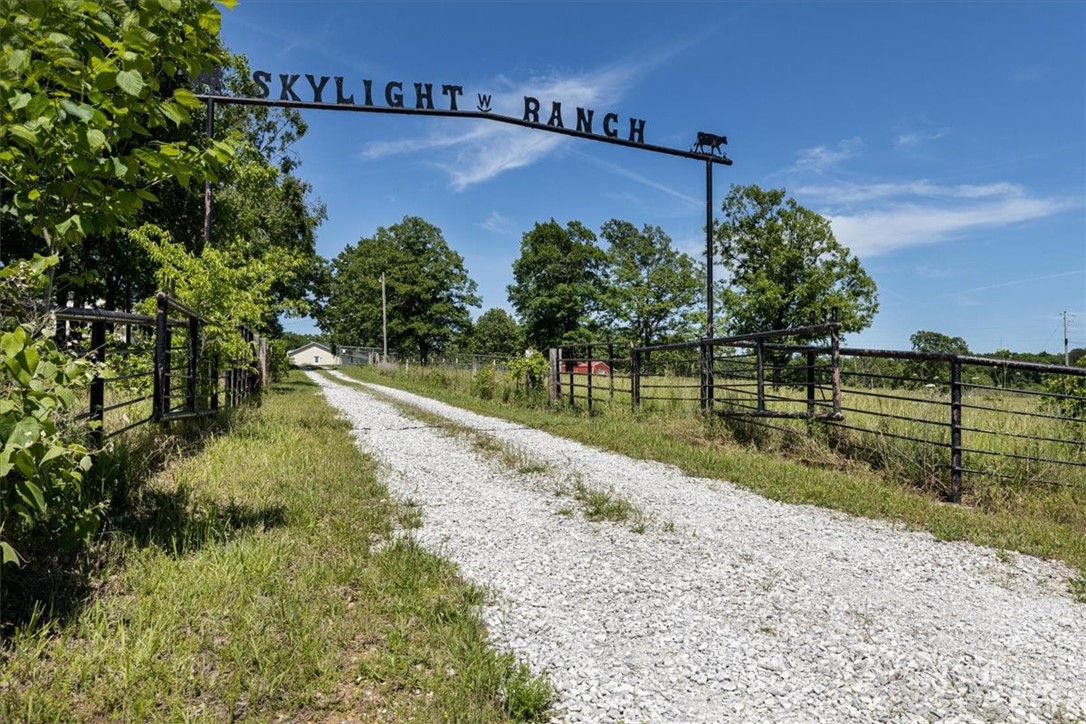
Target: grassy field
[[1010, 435], [264, 574], [1047, 522]]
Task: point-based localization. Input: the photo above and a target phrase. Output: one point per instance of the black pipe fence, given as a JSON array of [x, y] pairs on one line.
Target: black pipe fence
[[946, 418], [154, 368]]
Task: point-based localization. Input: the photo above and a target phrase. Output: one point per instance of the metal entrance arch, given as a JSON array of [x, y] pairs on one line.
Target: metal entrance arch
[[706, 146]]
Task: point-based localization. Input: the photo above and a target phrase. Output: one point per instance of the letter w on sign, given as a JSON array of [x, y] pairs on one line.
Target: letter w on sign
[[709, 143]]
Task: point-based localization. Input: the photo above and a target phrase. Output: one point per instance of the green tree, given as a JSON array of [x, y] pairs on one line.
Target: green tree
[[932, 371], [557, 280], [925, 341], [496, 332], [783, 264], [83, 94], [651, 287], [428, 288]]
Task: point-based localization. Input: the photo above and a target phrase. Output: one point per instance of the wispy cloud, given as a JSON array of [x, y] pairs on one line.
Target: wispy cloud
[[1024, 280], [849, 193], [885, 229], [498, 224], [486, 150], [914, 139], [633, 176], [822, 158]]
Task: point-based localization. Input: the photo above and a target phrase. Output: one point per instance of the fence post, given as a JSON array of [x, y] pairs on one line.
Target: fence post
[[98, 384], [591, 374], [810, 379], [702, 378], [710, 376], [835, 359], [611, 369], [554, 381], [955, 431], [194, 337], [810, 384], [161, 381], [572, 389], [760, 357], [635, 377]]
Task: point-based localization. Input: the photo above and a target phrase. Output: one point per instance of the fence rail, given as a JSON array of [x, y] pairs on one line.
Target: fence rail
[[153, 368], [951, 417]]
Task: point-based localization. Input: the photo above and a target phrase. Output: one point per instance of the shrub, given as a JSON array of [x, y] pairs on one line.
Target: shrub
[[483, 383], [42, 461]]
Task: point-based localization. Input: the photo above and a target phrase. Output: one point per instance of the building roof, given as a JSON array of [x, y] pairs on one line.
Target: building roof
[[307, 345]]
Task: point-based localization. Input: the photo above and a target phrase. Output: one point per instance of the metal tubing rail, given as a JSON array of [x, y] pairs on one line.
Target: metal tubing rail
[[963, 359], [83, 314], [174, 304]]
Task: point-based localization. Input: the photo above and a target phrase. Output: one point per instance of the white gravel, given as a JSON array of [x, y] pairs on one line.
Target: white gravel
[[728, 607]]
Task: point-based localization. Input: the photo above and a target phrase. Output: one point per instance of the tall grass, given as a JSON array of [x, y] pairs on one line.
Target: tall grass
[[266, 576]]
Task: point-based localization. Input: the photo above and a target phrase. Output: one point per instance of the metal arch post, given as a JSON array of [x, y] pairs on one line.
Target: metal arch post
[[709, 249], [207, 184]]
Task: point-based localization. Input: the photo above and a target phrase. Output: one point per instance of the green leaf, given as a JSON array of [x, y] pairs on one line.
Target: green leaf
[[31, 494], [170, 110], [120, 170], [26, 432], [131, 82], [54, 452], [96, 139], [170, 5], [65, 226], [187, 98], [19, 100], [20, 131], [81, 111], [17, 59], [9, 554]]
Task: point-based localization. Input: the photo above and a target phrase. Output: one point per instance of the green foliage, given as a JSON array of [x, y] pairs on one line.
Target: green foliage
[[932, 371], [428, 289], [228, 288], [41, 464], [83, 96], [651, 287], [484, 382], [784, 265], [925, 341], [278, 362], [497, 333], [557, 282], [529, 371], [1073, 400]]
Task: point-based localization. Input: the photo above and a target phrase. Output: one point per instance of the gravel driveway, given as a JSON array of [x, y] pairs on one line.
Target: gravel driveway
[[726, 606]]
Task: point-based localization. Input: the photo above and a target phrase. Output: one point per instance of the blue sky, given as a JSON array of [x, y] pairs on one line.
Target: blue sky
[[945, 141]]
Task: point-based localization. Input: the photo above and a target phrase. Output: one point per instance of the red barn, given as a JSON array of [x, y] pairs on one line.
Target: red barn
[[600, 369]]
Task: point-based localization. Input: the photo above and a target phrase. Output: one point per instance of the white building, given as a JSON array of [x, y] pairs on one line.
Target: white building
[[313, 353]]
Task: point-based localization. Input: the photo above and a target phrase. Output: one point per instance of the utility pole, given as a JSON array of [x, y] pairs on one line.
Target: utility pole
[[1066, 356], [384, 320]]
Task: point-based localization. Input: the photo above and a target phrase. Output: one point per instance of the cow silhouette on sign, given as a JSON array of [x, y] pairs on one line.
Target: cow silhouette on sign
[[709, 144]]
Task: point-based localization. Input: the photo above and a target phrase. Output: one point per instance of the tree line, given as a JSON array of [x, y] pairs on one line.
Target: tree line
[[571, 285]]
